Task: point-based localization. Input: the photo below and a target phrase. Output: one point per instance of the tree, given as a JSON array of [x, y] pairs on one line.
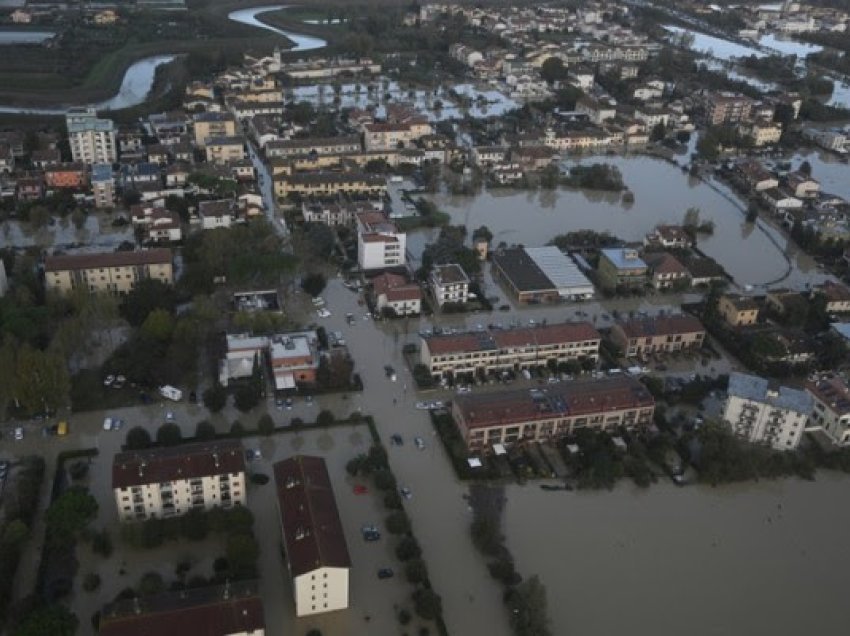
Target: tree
[[151, 584], [169, 435], [56, 620], [428, 603], [314, 283], [242, 552], [659, 131], [138, 438], [148, 294], [806, 168], [41, 380], [320, 238], [69, 514], [398, 523], [384, 480], [416, 571], [215, 398], [553, 70], [204, 430], [529, 610], [195, 525], [246, 398], [265, 425], [482, 233], [407, 549], [159, 325], [325, 418]]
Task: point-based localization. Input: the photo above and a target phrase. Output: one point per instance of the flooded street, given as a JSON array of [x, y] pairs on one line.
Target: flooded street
[[662, 195], [96, 234], [765, 558]]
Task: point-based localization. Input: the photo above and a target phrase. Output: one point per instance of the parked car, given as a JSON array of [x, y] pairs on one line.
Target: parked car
[[397, 439], [405, 492], [108, 380], [19, 433], [419, 442], [370, 533], [107, 424], [385, 573]]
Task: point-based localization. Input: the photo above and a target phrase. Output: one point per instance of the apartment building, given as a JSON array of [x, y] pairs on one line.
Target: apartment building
[[232, 609], [449, 284], [109, 272], [531, 415], [103, 185], [216, 214], [380, 244], [663, 334], [837, 297], [211, 125], [313, 146], [171, 481], [738, 311], [223, 150], [765, 415], [390, 135], [831, 406], [495, 350], [329, 184], [313, 539], [338, 211], [92, 139], [621, 268], [727, 108], [396, 293], [294, 358]]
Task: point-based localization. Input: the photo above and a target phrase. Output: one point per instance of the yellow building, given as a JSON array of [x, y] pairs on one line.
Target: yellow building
[[225, 149], [738, 311], [328, 184], [213, 125], [111, 272]]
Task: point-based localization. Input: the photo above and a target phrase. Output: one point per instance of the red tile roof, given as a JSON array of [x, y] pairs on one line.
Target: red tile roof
[[396, 287], [569, 399], [107, 259], [215, 611], [661, 326], [187, 461], [312, 532]]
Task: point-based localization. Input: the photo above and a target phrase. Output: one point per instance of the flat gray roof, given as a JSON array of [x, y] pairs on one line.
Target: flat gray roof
[[561, 270]]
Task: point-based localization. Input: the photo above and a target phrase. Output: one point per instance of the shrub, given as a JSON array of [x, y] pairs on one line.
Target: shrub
[[416, 571], [91, 582], [325, 418], [398, 523], [151, 584], [204, 431], [215, 398], [138, 438], [404, 617], [101, 543], [407, 549], [428, 604], [259, 479], [78, 470], [169, 435], [265, 425]]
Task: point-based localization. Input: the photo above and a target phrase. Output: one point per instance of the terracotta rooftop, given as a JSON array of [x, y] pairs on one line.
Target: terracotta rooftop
[[212, 611], [187, 461], [567, 399], [107, 259], [312, 532], [661, 326]]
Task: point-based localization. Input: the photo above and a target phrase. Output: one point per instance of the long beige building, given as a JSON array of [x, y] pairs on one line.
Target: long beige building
[[529, 415], [329, 184], [110, 272], [663, 334], [313, 538], [508, 349], [168, 482]]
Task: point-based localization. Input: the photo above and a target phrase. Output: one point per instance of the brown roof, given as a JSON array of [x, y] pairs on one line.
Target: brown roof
[[664, 263], [568, 399], [510, 338], [187, 461], [312, 532], [661, 326], [742, 303], [209, 611], [396, 287], [835, 292], [107, 259], [831, 389]]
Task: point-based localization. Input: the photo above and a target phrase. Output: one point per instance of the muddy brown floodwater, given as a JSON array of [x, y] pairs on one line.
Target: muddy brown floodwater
[[765, 558]]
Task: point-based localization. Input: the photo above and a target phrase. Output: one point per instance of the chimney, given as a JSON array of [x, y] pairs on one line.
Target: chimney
[[136, 607], [215, 459]]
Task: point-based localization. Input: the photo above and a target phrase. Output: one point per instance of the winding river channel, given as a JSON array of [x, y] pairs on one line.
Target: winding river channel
[[139, 77]]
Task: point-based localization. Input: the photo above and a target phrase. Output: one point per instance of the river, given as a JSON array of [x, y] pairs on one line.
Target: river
[[662, 195], [139, 77], [761, 558]]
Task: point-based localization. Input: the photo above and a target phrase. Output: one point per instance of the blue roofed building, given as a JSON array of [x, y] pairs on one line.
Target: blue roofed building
[[103, 185], [621, 268]]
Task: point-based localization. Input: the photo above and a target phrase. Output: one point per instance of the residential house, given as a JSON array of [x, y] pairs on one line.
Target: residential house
[[763, 415], [294, 359], [163, 226], [621, 268], [394, 292], [223, 150], [663, 334], [757, 176], [738, 311], [30, 188], [802, 185], [449, 284], [216, 214], [559, 410], [171, 481], [669, 237], [213, 125], [726, 108], [831, 406], [314, 543], [666, 271], [114, 272]]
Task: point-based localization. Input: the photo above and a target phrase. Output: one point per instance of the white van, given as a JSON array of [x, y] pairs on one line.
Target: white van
[[171, 393]]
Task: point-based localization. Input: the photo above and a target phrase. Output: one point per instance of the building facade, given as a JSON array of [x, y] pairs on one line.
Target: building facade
[[110, 272], [380, 244], [313, 539], [211, 124], [663, 334], [831, 406], [763, 415], [449, 284], [394, 292], [532, 415], [738, 311], [168, 482], [92, 140], [497, 350], [621, 268]]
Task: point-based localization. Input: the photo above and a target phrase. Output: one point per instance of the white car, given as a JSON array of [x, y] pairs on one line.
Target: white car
[[107, 424], [108, 380], [19, 434], [323, 313]]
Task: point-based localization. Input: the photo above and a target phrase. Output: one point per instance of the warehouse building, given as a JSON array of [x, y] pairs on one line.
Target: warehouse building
[[541, 274]]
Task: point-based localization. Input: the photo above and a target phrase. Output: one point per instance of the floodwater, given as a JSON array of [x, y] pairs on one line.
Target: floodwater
[[300, 41], [714, 46], [97, 234], [831, 172], [751, 255], [761, 558], [24, 37], [438, 104]]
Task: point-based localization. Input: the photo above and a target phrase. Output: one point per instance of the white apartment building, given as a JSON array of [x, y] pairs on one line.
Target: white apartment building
[[831, 406], [168, 482], [379, 242], [313, 539], [760, 414], [92, 139], [449, 284]]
